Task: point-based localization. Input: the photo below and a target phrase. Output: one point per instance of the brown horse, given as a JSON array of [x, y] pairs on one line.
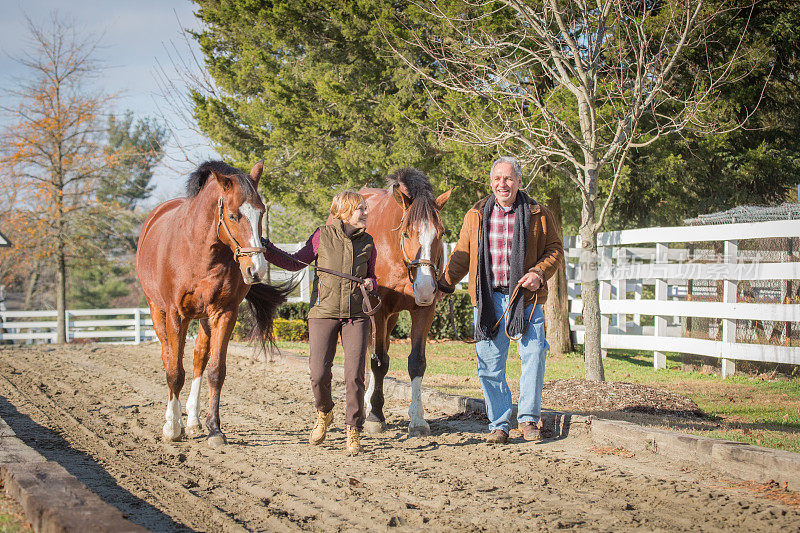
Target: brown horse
[[405, 224], [191, 265]]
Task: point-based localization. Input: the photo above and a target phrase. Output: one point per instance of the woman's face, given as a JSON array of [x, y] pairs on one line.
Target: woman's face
[[358, 219]]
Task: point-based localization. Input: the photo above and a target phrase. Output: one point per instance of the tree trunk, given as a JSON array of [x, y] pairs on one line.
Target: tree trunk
[[556, 308], [61, 293], [590, 294], [30, 290]]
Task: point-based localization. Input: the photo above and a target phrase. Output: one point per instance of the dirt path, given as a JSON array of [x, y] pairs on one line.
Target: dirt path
[[98, 410]]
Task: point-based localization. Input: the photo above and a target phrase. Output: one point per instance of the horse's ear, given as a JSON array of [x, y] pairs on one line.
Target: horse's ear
[[224, 181], [442, 199], [255, 174], [403, 200]]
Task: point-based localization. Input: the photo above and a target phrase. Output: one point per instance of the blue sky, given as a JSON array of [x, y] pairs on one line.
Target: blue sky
[[135, 36]]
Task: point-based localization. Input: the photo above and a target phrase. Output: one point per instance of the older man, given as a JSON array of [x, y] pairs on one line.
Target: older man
[[508, 239]]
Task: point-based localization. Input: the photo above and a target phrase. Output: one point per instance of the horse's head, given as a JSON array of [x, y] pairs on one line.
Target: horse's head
[[239, 212], [421, 240]]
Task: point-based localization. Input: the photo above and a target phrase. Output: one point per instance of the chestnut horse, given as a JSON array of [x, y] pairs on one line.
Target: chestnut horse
[[405, 224], [191, 265]]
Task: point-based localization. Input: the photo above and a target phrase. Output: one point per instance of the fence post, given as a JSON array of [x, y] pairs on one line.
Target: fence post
[[729, 296], [605, 256], [660, 329], [621, 286], [68, 326], [637, 295], [305, 292], [137, 325]]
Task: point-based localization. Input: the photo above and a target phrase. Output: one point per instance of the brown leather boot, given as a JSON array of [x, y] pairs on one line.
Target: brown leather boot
[[321, 427], [498, 436], [530, 431], [353, 441]]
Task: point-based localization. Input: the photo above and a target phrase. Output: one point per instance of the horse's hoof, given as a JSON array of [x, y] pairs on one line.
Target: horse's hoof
[[215, 441], [194, 430], [172, 434], [419, 431], [374, 426]]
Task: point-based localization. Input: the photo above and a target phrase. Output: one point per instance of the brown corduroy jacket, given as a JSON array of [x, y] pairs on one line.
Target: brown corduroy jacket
[[545, 250]]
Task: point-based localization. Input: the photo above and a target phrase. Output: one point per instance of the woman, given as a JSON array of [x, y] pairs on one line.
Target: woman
[[343, 246]]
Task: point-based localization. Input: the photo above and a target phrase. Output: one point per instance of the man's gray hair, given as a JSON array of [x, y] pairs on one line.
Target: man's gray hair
[[508, 159]]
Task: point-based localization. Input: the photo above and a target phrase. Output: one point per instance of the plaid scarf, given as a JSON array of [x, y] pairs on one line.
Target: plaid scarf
[[516, 315]]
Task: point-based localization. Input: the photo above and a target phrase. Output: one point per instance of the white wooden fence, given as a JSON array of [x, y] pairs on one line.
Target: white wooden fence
[[677, 266], [682, 277], [124, 326]]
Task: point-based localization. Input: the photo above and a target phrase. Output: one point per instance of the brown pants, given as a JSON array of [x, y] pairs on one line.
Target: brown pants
[[323, 334]]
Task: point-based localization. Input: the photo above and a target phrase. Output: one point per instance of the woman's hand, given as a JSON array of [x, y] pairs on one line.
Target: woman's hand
[[369, 285]]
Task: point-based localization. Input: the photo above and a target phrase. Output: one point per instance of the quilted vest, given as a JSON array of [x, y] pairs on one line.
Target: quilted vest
[[332, 296]]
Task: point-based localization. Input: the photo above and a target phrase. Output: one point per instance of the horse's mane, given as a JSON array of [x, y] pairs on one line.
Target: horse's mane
[[416, 185], [199, 177]]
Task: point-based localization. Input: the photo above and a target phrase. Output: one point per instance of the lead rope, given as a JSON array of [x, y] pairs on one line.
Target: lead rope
[[497, 324]]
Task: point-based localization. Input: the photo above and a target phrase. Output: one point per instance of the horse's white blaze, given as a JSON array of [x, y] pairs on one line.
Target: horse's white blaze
[[416, 411], [253, 216], [172, 428], [425, 282], [193, 403], [368, 394]]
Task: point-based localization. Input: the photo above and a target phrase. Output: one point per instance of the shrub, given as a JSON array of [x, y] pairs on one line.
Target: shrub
[[290, 330], [294, 311], [403, 327], [244, 323], [442, 326]]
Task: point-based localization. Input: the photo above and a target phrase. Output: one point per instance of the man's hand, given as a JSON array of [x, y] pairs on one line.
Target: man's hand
[[369, 285], [531, 281]]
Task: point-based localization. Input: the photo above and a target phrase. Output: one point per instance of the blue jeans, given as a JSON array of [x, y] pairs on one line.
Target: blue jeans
[[492, 355]]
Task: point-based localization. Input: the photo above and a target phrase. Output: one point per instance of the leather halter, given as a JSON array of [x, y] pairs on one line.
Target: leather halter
[[412, 266], [238, 250]]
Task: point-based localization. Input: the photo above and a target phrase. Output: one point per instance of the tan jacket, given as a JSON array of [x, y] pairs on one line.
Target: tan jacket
[[545, 250]]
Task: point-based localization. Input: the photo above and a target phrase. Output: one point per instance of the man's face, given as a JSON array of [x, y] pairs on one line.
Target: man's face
[[505, 184]]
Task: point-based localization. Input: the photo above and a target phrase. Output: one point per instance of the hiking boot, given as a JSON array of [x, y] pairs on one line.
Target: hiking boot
[[530, 431], [353, 444], [321, 427], [498, 436]]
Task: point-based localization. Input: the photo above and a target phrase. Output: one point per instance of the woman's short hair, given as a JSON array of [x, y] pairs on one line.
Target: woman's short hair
[[345, 203]]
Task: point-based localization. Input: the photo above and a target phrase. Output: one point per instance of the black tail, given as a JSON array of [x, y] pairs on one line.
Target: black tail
[[264, 301]]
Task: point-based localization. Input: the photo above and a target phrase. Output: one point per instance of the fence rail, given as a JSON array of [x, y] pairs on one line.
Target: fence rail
[[675, 275], [128, 326], [681, 269]]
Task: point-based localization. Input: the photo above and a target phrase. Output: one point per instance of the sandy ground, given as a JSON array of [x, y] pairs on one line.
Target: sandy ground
[[98, 410]]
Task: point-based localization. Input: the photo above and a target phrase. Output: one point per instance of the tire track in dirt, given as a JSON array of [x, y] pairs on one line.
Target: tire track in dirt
[[268, 478]]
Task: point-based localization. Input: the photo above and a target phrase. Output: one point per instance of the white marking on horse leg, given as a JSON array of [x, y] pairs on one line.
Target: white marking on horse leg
[[416, 411], [193, 404], [368, 394], [174, 424]]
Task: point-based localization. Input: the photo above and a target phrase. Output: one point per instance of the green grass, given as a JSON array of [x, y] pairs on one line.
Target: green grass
[[743, 408], [12, 519]]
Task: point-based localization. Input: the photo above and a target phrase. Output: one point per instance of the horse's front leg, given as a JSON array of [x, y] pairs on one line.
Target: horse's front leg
[[379, 366], [174, 328], [221, 328], [202, 347], [421, 319]]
